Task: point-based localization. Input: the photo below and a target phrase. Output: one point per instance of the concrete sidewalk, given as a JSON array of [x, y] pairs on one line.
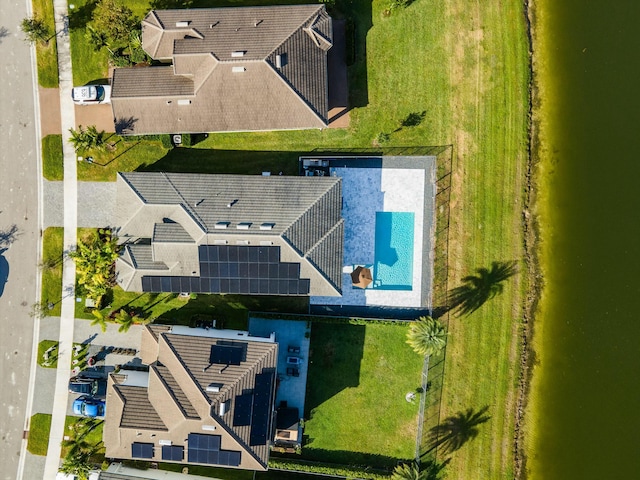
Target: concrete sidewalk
[[67, 116]]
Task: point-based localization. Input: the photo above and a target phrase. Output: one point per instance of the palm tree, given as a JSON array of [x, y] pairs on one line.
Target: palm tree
[[99, 320], [35, 29], [427, 336], [85, 139], [477, 289], [430, 471], [408, 472], [453, 432], [125, 319], [78, 464]]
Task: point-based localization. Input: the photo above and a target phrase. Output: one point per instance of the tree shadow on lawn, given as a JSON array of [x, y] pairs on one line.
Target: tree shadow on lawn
[[454, 431], [356, 459], [231, 311], [334, 362], [195, 160]]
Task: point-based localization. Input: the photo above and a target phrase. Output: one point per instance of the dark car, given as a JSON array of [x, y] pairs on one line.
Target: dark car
[[84, 385]]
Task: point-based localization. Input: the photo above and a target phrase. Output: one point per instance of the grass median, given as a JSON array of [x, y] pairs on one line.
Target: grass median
[[52, 247], [46, 53]]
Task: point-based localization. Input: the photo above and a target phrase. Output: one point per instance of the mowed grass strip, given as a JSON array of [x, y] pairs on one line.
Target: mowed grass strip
[[39, 428], [46, 55], [52, 158], [487, 66], [52, 243], [357, 411]]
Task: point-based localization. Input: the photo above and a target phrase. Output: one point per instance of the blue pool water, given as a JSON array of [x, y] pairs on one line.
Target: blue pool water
[[393, 269]]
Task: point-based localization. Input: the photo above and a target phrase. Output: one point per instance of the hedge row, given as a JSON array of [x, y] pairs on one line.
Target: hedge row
[[327, 319], [334, 470]]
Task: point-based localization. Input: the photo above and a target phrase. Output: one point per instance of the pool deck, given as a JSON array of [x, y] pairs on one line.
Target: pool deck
[[392, 184], [288, 333]]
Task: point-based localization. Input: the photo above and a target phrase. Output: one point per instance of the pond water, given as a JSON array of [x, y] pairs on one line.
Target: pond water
[[586, 390]]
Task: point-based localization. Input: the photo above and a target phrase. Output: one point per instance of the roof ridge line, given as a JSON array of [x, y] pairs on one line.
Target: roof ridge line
[[170, 390], [184, 204], [313, 264]]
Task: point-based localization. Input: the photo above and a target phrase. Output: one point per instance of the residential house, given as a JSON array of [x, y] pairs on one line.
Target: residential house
[[228, 69], [243, 234], [206, 399]]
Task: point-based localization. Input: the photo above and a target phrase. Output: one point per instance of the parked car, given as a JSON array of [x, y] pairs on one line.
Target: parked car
[[91, 94], [89, 407], [79, 384]]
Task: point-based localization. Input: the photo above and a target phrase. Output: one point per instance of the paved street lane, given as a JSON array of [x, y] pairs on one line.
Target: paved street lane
[[19, 223]]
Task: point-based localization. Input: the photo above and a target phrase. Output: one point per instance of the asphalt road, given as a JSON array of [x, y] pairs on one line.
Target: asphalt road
[[19, 229]]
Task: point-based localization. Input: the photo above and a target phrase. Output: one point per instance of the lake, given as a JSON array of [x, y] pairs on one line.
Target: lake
[[586, 390]]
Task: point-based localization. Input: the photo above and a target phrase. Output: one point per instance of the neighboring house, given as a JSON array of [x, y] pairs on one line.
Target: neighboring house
[[243, 234], [233, 69], [206, 399]]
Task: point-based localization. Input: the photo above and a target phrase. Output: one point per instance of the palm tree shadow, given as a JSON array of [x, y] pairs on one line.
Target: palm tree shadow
[[453, 432], [478, 289]]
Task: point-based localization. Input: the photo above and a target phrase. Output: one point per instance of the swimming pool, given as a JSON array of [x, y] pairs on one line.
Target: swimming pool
[[393, 268]]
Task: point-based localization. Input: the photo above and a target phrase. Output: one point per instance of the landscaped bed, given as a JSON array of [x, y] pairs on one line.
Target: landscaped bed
[[356, 406]]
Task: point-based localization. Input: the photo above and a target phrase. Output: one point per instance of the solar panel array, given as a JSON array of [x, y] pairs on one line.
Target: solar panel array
[[142, 450], [261, 408], [226, 354], [206, 449], [172, 453], [243, 269]]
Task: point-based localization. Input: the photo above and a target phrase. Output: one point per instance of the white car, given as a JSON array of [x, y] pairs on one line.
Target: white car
[[91, 94]]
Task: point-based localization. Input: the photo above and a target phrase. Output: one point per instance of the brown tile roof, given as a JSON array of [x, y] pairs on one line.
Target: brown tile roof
[[179, 379], [138, 412], [206, 54]]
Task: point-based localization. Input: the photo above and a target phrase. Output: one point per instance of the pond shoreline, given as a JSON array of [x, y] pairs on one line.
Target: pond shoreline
[[531, 231]]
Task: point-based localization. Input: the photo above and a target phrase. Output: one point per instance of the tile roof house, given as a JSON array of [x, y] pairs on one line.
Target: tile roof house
[[206, 399], [244, 234], [233, 69]]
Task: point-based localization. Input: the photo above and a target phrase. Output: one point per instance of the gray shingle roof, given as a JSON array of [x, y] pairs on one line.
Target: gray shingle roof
[[171, 233], [261, 96], [302, 212]]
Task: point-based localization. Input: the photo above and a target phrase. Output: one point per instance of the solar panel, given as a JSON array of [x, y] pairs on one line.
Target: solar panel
[[173, 453], [142, 450], [261, 408], [226, 354], [206, 449], [242, 410]]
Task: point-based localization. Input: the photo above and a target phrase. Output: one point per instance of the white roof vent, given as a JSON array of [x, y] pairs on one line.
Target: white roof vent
[[266, 242], [209, 428], [224, 407], [221, 225], [279, 61], [184, 23], [238, 53], [214, 387], [238, 69], [164, 442], [184, 101], [242, 242], [267, 226], [219, 242], [243, 226]]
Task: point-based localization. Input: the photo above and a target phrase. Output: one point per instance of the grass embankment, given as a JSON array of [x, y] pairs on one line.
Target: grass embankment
[[52, 158], [46, 54], [52, 246], [357, 411], [484, 61]]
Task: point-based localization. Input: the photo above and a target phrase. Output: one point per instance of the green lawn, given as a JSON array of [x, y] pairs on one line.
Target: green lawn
[[39, 429], [52, 246], [52, 159], [357, 411], [90, 429], [46, 55]]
